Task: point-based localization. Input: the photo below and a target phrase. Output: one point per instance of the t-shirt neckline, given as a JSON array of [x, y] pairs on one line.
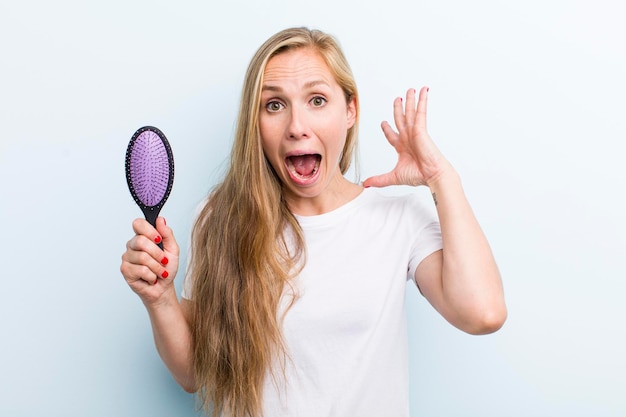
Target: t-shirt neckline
[[336, 214]]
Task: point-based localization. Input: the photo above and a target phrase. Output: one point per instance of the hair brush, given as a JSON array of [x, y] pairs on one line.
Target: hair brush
[[149, 171]]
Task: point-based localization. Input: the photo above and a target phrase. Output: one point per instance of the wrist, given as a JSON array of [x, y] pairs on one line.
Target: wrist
[[166, 300], [444, 178]]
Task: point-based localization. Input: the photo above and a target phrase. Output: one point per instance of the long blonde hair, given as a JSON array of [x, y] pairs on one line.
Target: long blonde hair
[[241, 259]]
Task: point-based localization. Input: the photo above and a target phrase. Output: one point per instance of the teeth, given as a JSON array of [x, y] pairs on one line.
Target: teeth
[[296, 174]]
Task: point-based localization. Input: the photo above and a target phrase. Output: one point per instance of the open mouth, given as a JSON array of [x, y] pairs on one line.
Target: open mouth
[[303, 167]]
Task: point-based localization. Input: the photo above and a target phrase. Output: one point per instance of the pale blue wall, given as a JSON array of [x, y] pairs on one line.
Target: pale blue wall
[[527, 101]]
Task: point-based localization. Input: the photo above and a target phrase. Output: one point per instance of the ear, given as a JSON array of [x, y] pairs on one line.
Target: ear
[[351, 112]]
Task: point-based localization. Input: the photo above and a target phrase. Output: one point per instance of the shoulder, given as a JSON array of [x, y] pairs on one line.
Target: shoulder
[[409, 204]]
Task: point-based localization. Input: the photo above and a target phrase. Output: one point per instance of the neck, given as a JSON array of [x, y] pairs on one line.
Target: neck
[[341, 192]]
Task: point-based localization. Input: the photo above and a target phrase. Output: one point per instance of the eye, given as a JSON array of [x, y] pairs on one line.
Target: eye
[[318, 101], [273, 106]]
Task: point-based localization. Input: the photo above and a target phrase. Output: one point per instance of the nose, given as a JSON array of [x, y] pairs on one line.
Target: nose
[[298, 127]]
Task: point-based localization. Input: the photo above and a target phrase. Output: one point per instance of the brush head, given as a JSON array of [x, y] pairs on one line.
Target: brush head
[[149, 170]]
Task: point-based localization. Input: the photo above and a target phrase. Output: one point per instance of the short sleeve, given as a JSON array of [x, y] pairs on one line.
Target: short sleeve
[[426, 229], [428, 241]]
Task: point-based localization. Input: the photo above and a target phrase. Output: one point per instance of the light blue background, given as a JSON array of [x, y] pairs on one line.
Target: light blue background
[[527, 99]]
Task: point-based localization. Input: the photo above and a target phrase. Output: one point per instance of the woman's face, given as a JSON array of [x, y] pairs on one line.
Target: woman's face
[[304, 119]]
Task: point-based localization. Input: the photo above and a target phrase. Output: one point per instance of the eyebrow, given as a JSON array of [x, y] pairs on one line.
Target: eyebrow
[[309, 84]]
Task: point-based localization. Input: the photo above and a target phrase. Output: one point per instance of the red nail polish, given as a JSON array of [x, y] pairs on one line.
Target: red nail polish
[[157, 239], [164, 261], [155, 281], [165, 274]]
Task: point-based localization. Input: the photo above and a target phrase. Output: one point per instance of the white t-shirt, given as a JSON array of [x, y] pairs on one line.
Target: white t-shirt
[[346, 334]]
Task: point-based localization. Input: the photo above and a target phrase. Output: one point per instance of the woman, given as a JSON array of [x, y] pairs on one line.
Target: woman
[[293, 302]]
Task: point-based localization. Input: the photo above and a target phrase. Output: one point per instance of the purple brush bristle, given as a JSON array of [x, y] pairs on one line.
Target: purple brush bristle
[[149, 170]]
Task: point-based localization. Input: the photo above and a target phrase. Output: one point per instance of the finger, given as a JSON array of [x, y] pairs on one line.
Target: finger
[[143, 244], [398, 114], [150, 236], [147, 254], [421, 108], [169, 241], [141, 251], [142, 227], [390, 134], [382, 180], [409, 108], [136, 273]]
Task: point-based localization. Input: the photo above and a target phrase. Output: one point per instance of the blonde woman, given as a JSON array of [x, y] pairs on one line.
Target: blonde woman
[[293, 301]]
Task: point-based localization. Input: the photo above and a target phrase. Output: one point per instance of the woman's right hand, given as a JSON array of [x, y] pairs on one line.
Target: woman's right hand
[[148, 269]]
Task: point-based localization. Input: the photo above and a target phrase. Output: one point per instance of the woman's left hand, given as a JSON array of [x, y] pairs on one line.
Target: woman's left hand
[[419, 161]]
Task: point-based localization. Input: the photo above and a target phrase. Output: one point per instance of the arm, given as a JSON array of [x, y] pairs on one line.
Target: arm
[[150, 272], [462, 281], [172, 338]]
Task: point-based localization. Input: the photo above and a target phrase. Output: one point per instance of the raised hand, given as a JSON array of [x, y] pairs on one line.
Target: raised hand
[[419, 161]]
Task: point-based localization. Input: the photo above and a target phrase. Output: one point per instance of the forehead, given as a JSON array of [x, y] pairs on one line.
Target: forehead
[[297, 64]]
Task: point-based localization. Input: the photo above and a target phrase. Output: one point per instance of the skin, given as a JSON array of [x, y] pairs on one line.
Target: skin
[[464, 286], [143, 268], [303, 110]]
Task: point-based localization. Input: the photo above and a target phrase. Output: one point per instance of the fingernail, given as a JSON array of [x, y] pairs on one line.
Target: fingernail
[[157, 239], [427, 89], [164, 261], [165, 274], [164, 222], [155, 281]]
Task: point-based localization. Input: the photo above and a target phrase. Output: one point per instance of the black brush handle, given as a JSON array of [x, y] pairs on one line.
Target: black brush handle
[[151, 214]]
